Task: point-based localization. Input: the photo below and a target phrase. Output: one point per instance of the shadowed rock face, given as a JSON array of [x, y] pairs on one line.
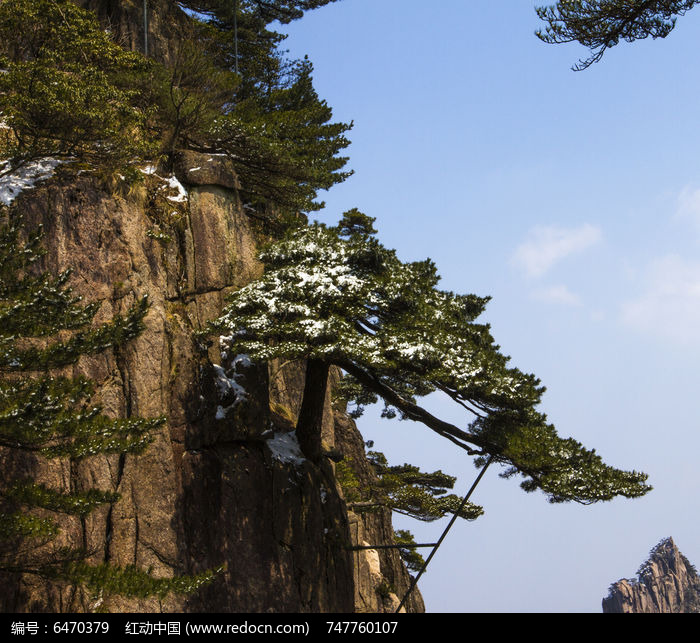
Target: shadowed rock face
[[665, 583]]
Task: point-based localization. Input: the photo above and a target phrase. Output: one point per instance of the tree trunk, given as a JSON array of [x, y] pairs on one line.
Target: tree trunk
[[311, 414]]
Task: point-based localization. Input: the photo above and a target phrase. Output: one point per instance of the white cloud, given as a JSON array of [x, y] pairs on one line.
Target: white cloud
[[557, 295], [670, 306], [549, 244]]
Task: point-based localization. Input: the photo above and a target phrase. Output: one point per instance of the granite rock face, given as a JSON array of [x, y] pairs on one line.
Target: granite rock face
[[665, 583], [221, 484]]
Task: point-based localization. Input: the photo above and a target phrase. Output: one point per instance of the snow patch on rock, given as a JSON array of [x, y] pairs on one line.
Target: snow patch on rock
[[24, 178], [228, 387], [285, 448], [172, 182]]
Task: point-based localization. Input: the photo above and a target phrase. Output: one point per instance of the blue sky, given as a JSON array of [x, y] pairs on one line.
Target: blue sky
[[572, 199]]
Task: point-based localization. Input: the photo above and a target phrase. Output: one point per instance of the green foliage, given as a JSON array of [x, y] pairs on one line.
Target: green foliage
[[275, 128], [414, 561], [30, 494], [53, 417], [42, 417], [192, 94], [130, 580], [601, 24], [16, 525], [38, 305], [355, 223], [349, 482], [67, 89], [264, 11], [284, 147], [404, 489], [415, 493], [337, 296], [385, 589]]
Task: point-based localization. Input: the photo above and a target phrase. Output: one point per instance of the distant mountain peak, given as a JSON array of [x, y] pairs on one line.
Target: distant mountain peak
[[666, 583]]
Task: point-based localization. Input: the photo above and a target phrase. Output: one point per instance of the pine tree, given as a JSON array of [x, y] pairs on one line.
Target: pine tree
[[266, 11], [192, 95], [409, 553], [67, 90], [601, 24], [417, 494], [334, 296], [275, 128], [404, 489], [44, 417]]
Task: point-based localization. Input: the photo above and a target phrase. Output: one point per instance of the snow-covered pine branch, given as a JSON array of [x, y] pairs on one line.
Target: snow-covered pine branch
[[335, 296]]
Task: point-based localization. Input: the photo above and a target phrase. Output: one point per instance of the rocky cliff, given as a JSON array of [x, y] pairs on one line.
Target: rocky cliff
[[224, 482], [665, 583]]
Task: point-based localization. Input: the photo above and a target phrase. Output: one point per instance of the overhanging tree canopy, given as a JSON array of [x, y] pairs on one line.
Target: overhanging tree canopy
[[601, 24], [335, 296]]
